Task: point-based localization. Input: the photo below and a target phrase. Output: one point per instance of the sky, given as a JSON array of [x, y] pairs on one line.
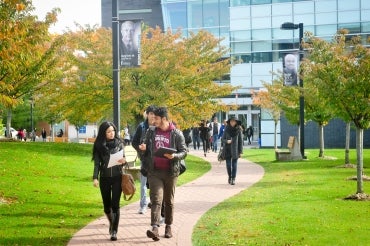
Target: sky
[[80, 11]]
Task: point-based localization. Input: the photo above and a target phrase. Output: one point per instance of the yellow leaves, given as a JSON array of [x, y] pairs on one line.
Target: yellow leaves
[[20, 7]]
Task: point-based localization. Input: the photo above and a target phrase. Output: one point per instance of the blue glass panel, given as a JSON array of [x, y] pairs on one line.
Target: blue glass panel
[[260, 2], [348, 5], [224, 13], [365, 4], [261, 46], [326, 6], [365, 27], [326, 30], [326, 18], [240, 36], [239, 2], [365, 15], [282, 9], [307, 19], [261, 10], [176, 13], [351, 27], [195, 14], [281, 1], [263, 22], [210, 13], [243, 47], [278, 20], [303, 7], [348, 16], [261, 34]]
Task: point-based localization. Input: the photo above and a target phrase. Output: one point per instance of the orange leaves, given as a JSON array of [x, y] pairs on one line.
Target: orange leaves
[[20, 7]]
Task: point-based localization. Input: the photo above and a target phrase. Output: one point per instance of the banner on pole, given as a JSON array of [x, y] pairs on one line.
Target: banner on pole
[[290, 68], [129, 45]]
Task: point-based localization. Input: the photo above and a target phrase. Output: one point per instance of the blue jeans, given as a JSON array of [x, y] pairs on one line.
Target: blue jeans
[[214, 140], [143, 189], [196, 142], [231, 167]]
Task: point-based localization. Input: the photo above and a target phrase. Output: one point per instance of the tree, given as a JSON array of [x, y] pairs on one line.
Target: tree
[[27, 52], [179, 73], [340, 71]]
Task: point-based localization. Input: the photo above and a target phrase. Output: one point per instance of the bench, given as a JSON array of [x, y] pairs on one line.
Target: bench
[[292, 154], [90, 140], [60, 139], [131, 158]]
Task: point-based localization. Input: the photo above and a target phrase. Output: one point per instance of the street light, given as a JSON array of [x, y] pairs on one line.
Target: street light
[[292, 26]]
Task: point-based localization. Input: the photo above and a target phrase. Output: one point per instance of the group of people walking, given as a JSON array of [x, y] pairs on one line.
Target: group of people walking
[[159, 174]]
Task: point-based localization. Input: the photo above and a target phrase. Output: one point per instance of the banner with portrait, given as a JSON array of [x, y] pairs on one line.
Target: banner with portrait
[[290, 69], [129, 45]]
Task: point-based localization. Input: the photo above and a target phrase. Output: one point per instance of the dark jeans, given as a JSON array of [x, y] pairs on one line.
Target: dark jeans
[[110, 189], [196, 142], [231, 167]]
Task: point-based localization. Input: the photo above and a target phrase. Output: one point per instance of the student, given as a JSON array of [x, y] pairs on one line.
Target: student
[[138, 139], [232, 140], [110, 178], [162, 171]]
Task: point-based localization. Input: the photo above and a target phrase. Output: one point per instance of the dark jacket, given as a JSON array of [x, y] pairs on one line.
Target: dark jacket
[[101, 160], [234, 149], [139, 136], [177, 141]]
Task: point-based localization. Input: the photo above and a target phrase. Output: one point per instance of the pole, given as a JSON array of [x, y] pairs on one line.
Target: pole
[[31, 114], [301, 97], [116, 72]]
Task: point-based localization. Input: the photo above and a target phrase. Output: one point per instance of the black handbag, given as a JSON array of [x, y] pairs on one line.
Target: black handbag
[[182, 166], [221, 154]]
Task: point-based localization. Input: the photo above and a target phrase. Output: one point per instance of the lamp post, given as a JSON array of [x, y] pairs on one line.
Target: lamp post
[[292, 26], [116, 71]]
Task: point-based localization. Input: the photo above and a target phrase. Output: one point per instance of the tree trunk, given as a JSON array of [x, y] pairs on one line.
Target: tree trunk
[[275, 135], [9, 122], [360, 160], [321, 139], [299, 134], [348, 138]]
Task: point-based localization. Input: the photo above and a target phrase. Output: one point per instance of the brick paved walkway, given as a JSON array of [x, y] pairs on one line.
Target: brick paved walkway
[[192, 200]]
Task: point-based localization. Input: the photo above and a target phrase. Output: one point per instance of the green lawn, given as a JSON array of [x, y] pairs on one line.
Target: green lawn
[[296, 203], [46, 191]]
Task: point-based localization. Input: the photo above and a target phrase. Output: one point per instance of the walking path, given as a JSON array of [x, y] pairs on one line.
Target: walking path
[[192, 200]]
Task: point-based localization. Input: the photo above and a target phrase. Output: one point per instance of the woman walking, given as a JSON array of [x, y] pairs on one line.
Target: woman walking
[[108, 142], [232, 140]]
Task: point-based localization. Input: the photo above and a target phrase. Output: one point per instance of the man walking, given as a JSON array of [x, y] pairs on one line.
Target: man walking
[[164, 170], [215, 129]]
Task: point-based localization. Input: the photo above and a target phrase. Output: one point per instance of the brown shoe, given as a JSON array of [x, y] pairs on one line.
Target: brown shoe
[[153, 234], [168, 232]]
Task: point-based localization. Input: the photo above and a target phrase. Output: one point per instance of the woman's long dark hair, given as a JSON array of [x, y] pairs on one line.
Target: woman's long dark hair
[[100, 144]]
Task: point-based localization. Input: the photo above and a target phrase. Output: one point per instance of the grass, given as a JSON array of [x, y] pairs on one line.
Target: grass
[[46, 191], [296, 203]]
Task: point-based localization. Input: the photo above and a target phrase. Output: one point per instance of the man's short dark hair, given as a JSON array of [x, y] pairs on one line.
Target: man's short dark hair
[[161, 112], [150, 108]]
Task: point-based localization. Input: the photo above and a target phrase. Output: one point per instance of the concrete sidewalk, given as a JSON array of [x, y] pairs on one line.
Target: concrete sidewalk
[[192, 200]]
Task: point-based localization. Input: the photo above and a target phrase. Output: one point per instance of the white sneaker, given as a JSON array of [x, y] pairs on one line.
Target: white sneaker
[[142, 210]]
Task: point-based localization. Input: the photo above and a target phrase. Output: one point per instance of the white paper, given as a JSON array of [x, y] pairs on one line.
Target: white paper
[[114, 158]]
